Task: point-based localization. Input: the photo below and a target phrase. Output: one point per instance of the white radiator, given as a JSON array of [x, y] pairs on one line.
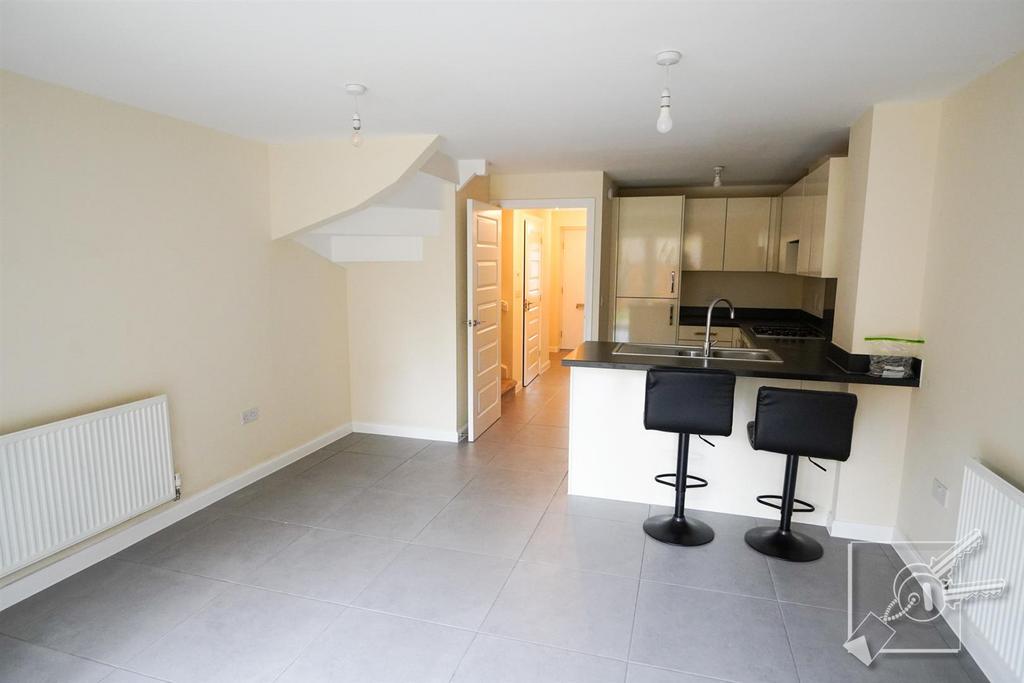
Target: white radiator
[[64, 482], [994, 629]]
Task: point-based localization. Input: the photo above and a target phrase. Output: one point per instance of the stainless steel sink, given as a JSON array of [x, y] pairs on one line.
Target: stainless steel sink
[[671, 351]]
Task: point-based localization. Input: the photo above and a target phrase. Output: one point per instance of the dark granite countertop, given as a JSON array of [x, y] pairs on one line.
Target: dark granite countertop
[[804, 359]]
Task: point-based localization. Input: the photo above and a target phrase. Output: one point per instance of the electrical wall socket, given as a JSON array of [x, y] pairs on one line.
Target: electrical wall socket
[[250, 415], [939, 492]]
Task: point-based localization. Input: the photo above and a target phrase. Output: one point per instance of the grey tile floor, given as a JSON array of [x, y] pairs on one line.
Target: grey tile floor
[[387, 559]]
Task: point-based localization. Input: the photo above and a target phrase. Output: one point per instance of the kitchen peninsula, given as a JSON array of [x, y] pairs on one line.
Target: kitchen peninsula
[[611, 455]]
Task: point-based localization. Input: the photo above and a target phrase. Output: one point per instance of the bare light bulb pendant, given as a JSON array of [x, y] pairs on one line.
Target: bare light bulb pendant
[[355, 90], [666, 59], [357, 126], [664, 124]]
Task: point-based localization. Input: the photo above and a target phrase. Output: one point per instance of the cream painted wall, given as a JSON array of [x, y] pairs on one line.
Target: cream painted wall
[[477, 188], [137, 260], [889, 203], [403, 339], [314, 181], [969, 404], [570, 185]]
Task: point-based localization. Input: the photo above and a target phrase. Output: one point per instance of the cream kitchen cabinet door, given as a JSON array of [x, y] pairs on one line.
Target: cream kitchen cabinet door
[[791, 229], [825, 190], [747, 224], [704, 234], [774, 228], [648, 247], [649, 321]]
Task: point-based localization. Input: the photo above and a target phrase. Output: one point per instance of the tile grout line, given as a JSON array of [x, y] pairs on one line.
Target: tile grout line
[[395, 558], [789, 642], [636, 605], [515, 563]]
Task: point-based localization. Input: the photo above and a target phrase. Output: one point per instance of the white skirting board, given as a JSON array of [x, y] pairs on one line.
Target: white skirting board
[[861, 532], [408, 432], [30, 584]]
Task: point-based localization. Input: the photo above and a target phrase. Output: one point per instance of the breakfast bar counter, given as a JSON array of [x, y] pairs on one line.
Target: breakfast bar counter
[[611, 455]]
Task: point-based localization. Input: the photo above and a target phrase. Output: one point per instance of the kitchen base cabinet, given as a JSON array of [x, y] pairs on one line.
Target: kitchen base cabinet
[[651, 321]]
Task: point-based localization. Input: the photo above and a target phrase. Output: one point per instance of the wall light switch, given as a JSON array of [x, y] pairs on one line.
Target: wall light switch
[[939, 492], [250, 415]]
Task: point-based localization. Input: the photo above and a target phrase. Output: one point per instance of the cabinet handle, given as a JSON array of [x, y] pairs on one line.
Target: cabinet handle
[[704, 334], [671, 313], [672, 282]]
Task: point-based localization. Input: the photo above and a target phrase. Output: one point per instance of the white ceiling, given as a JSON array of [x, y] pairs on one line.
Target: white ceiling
[[764, 88]]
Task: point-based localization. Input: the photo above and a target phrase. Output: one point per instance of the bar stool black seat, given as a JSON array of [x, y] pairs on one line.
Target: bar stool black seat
[[797, 422], [684, 403]]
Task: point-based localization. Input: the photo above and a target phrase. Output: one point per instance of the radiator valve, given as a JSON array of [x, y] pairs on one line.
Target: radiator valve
[[177, 486]]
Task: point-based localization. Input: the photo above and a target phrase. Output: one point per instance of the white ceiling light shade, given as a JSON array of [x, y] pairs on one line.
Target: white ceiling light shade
[[355, 90], [666, 58], [718, 176]]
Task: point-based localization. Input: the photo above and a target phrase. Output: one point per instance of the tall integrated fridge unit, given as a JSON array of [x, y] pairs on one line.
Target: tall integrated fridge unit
[[648, 269]]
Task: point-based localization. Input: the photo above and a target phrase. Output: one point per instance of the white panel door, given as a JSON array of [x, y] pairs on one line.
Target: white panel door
[[533, 344], [574, 250], [484, 306]]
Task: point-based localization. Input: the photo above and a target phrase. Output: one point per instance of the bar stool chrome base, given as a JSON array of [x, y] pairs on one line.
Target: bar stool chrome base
[[678, 530], [787, 545]]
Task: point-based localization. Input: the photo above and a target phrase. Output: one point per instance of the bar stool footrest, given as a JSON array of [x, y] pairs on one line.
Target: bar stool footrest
[[669, 479], [765, 500]]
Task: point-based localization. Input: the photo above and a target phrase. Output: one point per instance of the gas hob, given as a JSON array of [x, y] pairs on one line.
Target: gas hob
[[786, 332]]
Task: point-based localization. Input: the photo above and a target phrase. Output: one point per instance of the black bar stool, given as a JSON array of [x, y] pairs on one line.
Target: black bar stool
[[684, 403], [797, 422]]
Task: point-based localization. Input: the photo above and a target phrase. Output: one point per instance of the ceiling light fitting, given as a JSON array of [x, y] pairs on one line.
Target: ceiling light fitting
[[666, 58], [718, 176], [355, 90]]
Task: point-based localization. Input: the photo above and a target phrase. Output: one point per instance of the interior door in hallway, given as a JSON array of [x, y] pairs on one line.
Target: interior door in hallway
[[574, 249], [483, 305], [533, 344]]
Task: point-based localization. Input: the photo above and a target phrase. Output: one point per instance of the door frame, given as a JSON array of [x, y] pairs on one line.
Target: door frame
[[561, 268], [592, 274]]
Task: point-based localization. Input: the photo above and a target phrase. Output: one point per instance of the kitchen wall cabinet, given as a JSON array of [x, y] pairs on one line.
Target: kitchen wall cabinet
[[791, 228], [811, 221], [648, 247], [825, 193], [747, 227], [774, 230], [704, 234]]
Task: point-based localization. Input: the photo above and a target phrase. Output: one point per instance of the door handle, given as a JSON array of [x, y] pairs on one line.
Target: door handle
[[672, 282], [472, 323], [671, 315]]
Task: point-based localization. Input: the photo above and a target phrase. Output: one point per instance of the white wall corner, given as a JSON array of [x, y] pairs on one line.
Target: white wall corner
[[469, 168]]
